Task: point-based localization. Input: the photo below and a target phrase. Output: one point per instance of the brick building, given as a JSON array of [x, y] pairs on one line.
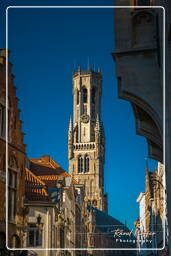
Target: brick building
[[15, 158]]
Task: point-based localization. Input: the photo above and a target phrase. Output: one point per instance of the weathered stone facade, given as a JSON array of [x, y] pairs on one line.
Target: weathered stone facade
[[16, 158], [139, 67], [86, 141]]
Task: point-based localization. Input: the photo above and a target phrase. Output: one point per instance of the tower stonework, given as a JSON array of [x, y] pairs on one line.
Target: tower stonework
[[86, 140]]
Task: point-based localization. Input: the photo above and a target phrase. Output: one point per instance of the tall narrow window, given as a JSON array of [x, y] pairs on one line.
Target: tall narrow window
[[84, 95], [93, 99], [3, 115], [34, 236], [93, 111], [62, 237], [80, 164], [77, 97], [12, 188], [76, 137], [86, 163], [2, 120], [93, 95], [84, 108]]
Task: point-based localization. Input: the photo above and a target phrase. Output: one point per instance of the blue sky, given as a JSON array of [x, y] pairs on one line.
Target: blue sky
[[44, 45]]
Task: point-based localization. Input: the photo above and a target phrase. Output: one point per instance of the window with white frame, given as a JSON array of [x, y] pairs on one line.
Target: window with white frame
[[34, 236]]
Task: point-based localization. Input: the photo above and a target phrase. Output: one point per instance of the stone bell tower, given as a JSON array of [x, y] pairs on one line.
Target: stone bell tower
[[86, 141]]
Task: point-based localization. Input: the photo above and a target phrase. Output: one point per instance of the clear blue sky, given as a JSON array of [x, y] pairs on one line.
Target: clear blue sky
[[44, 45]]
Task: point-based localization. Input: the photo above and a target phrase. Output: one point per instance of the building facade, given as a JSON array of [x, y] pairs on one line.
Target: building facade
[[150, 227], [16, 162], [139, 60], [55, 206], [86, 141]]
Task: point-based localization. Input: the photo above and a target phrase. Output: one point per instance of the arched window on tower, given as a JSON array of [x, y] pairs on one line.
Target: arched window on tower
[[84, 95], [86, 163], [77, 97], [80, 164]]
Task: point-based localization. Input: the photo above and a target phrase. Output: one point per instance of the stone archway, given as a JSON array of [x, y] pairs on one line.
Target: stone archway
[[148, 121]]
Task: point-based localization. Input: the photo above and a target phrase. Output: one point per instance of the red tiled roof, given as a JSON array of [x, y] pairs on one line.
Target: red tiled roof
[[46, 161], [41, 170], [48, 170], [42, 174], [35, 188]]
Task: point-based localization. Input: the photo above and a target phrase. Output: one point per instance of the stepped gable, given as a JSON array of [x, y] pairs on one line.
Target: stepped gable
[[35, 188], [47, 170]]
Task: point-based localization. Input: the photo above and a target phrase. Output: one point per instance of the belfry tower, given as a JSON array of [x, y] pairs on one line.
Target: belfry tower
[[86, 141]]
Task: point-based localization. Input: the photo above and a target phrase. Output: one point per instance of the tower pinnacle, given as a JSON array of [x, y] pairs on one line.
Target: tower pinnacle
[[79, 68], [70, 125]]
